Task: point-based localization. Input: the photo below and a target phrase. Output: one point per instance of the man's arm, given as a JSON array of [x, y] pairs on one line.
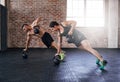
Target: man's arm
[[27, 42], [72, 23], [59, 42], [35, 22]]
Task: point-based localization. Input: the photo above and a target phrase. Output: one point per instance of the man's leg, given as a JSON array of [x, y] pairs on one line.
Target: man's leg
[[49, 42], [53, 44], [86, 46]]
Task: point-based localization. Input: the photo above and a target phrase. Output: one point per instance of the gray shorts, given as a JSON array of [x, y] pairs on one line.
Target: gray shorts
[[76, 38]]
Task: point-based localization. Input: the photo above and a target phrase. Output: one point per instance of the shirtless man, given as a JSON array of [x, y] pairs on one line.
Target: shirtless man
[[35, 30]]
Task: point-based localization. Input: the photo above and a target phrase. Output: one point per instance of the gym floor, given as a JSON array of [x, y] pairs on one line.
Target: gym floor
[[78, 66]]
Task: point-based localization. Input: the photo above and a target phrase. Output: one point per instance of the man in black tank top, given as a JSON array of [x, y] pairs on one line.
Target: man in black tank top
[[67, 29], [35, 30]]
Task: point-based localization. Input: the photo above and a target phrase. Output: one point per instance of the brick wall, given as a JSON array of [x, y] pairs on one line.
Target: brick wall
[[25, 11]]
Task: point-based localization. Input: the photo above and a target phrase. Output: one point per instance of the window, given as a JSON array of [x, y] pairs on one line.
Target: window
[[87, 13], [2, 2]]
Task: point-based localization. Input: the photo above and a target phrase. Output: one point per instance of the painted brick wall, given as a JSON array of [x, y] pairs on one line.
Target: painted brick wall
[[25, 11]]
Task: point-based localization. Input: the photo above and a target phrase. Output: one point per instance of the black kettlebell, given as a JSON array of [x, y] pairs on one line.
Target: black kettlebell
[[56, 60], [36, 29], [24, 55]]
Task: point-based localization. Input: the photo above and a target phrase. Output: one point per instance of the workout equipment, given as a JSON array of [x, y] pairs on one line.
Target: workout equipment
[[57, 60], [24, 54], [36, 29]]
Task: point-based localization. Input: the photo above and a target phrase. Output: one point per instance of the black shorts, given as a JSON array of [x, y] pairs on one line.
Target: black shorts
[[47, 39]]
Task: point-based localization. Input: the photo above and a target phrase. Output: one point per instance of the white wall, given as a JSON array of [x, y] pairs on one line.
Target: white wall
[[119, 26], [113, 24]]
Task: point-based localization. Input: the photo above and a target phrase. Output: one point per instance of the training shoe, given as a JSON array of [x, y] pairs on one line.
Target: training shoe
[[98, 62], [103, 64], [62, 55]]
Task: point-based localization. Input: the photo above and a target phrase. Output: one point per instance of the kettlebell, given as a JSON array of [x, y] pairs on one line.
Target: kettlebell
[[56, 60], [24, 55]]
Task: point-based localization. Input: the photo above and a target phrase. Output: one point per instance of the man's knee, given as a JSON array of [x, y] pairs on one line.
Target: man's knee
[[53, 44]]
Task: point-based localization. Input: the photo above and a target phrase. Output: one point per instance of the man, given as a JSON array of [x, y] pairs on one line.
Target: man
[[67, 29], [35, 30]]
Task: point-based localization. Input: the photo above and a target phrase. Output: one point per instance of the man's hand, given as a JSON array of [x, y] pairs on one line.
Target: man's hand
[[70, 33], [25, 49], [36, 22]]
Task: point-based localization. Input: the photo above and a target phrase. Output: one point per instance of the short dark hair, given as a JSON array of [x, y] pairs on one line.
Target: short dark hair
[[24, 25], [53, 23]]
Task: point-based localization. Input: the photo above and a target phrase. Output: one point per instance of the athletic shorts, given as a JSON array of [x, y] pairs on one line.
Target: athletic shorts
[[47, 39], [76, 38]]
